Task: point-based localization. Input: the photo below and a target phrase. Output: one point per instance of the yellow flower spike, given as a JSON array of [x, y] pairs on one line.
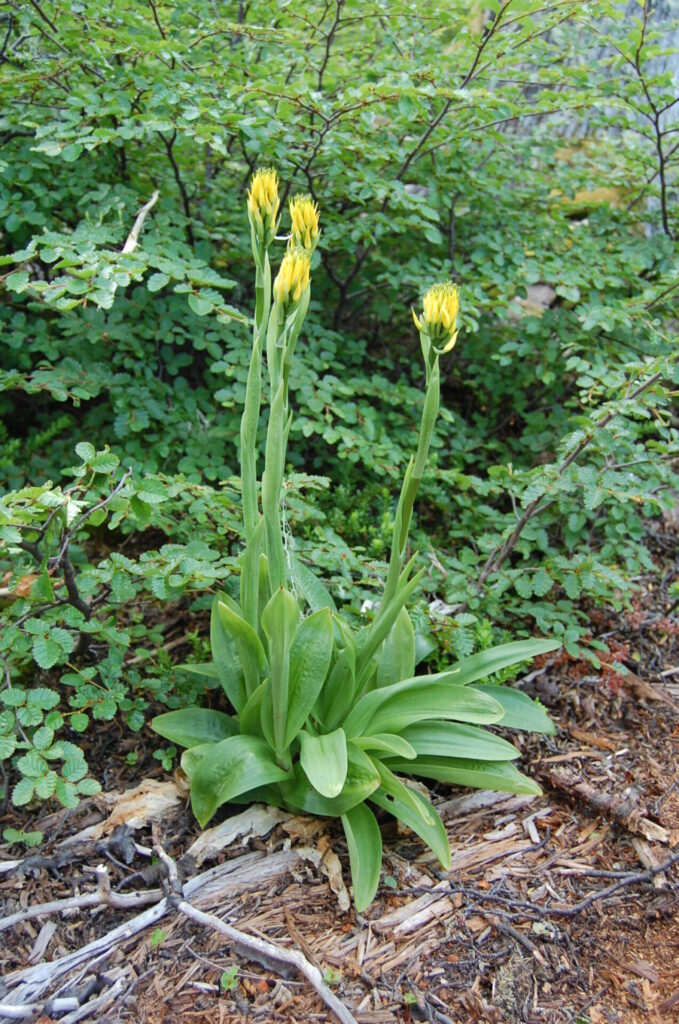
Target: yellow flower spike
[[305, 215], [263, 205], [441, 306], [292, 279]]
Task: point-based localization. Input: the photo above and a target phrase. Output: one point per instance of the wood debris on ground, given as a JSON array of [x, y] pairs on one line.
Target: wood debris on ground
[[555, 909]]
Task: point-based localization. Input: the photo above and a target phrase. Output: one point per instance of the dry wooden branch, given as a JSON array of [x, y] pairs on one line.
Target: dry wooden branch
[[101, 896], [26, 986], [271, 956], [133, 237], [622, 808]]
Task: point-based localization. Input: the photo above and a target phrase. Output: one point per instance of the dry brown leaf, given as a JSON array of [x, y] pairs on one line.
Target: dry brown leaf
[[149, 801]]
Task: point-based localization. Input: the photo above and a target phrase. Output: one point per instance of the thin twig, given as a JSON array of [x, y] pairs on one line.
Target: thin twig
[[100, 897], [271, 956], [133, 237]]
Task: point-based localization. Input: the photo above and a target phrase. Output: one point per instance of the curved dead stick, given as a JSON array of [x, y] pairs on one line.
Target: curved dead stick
[[102, 896], [264, 952]]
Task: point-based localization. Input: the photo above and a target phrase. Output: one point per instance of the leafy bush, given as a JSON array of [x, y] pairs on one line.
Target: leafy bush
[[529, 144]]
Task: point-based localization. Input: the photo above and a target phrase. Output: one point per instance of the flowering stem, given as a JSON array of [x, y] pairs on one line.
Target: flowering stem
[[411, 483], [253, 396]]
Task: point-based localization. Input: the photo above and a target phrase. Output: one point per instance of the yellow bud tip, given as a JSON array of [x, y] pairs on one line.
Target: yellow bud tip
[[441, 305], [263, 195], [304, 215], [292, 279]]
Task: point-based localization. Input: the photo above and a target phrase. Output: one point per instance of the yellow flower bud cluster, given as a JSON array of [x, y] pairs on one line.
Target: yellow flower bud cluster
[[263, 205], [304, 214], [292, 279], [441, 305]]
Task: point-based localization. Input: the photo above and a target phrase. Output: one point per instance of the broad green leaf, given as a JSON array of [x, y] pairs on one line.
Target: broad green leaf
[[362, 779], [309, 662], [364, 843], [337, 695], [192, 757], [372, 636], [190, 727], [386, 742], [233, 767], [311, 588], [498, 775], [434, 834], [520, 711], [397, 660], [395, 787], [279, 622], [249, 647], [495, 659], [250, 718], [225, 658], [469, 670], [324, 760], [415, 701], [208, 669], [249, 576], [450, 739]]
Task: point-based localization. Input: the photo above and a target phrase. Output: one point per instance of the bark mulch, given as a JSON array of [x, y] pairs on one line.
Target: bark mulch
[[555, 909]]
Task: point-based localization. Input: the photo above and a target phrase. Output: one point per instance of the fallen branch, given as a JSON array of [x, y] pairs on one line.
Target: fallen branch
[[272, 957], [622, 809], [27, 985], [100, 897]]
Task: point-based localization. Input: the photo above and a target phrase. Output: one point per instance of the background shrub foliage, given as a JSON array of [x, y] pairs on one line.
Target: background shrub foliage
[[527, 150]]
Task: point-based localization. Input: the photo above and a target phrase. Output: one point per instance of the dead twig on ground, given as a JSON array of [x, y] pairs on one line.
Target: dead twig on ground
[[622, 808], [273, 957], [102, 896]]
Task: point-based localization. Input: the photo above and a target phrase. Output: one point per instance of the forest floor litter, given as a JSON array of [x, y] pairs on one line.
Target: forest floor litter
[[562, 908]]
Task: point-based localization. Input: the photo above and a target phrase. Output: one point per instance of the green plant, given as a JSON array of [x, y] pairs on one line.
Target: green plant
[[229, 978], [326, 714]]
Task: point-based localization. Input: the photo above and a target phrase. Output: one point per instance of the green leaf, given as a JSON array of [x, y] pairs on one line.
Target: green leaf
[[190, 727], [428, 700], [46, 785], [469, 670], [85, 451], [42, 697], [309, 662], [397, 660], [311, 588], [449, 739], [157, 281], [200, 305], [364, 843], [279, 623], [388, 743], [362, 780], [432, 833], [324, 760], [192, 757], [234, 766], [495, 659], [17, 281], [46, 651], [336, 697], [250, 653], [88, 787], [520, 711], [496, 775], [7, 746], [22, 793]]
